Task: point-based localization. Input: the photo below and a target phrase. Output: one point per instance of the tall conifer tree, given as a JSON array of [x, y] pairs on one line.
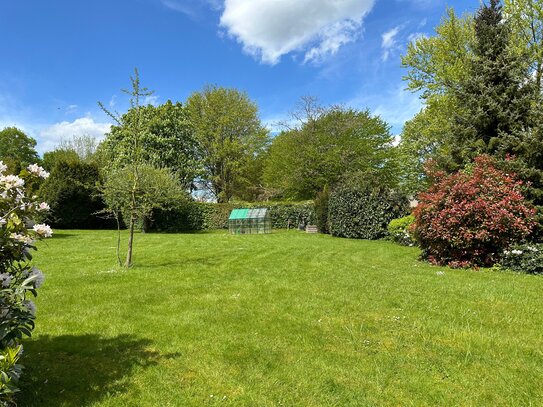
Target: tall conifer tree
[[501, 104]]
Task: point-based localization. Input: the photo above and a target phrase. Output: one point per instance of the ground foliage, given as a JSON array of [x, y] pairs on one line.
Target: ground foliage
[[525, 258]]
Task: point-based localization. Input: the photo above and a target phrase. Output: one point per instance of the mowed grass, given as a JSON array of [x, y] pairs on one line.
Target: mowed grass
[[287, 319]]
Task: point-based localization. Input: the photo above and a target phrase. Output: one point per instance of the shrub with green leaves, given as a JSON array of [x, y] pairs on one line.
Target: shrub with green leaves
[[364, 212], [526, 258], [18, 278], [399, 230], [71, 192]]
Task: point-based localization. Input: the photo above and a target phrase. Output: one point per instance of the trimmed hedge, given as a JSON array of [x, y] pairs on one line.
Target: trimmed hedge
[[364, 213], [196, 216]]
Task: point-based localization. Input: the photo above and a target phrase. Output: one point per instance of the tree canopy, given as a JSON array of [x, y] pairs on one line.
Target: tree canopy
[[17, 150], [165, 140], [329, 145], [229, 137]]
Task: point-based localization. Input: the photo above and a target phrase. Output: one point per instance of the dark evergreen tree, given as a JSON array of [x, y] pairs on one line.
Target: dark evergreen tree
[[501, 104]]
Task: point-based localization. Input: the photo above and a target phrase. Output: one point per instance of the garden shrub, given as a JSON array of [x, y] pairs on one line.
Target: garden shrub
[[399, 230], [468, 218], [196, 216], [71, 192], [364, 212], [321, 210], [18, 278], [526, 258]]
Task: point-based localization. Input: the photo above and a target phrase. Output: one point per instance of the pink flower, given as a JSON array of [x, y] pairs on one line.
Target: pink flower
[[44, 206], [43, 230]]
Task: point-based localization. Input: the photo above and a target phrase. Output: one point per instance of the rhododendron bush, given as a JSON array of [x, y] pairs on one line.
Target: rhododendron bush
[[19, 280], [470, 217]]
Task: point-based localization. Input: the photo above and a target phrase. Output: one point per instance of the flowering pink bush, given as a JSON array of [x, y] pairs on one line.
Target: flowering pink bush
[[468, 218], [18, 279]]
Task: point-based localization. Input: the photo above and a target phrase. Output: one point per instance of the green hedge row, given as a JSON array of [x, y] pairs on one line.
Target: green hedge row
[[364, 213], [196, 216]]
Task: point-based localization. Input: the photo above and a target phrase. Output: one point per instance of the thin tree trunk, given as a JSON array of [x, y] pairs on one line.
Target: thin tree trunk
[[128, 261], [117, 252]]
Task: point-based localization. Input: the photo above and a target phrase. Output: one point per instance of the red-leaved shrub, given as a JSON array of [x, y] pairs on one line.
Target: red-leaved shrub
[[468, 218]]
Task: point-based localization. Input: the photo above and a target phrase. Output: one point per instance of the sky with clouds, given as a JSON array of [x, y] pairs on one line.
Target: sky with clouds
[[61, 57]]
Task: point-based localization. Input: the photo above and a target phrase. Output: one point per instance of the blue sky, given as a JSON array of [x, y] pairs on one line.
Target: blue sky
[[62, 56]]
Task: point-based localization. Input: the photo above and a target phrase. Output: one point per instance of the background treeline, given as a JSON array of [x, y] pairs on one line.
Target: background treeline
[[215, 149]]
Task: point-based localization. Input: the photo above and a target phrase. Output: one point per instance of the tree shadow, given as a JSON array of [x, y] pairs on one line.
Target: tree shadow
[[78, 370]]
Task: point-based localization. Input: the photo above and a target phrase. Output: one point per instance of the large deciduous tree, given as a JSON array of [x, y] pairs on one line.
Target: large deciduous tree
[[17, 150], [229, 136], [326, 146], [436, 66], [165, 140], [526, 20]]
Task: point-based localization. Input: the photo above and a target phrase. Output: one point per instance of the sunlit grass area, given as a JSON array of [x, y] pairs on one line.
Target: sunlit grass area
[[287, 319]]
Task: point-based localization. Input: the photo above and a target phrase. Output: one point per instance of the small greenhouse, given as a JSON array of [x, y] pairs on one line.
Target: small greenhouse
[[249, 221]]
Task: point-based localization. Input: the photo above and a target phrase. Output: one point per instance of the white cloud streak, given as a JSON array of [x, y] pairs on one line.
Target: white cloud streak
[[389, 41]]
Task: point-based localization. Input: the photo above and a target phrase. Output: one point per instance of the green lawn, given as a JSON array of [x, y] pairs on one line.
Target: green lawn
[[287, 319]]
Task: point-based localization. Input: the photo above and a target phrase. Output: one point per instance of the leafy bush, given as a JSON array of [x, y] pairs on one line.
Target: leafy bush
[[399, 230], [364, 212], [468, 218], [18, 279], [526, 258], [195, 216], [71, 192], [321, 210]]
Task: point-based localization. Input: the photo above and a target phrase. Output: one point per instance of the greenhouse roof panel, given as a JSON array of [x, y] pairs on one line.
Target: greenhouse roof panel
[[246, 213]]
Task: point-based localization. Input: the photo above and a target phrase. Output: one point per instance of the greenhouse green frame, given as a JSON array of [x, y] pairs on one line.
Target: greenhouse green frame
[[249, 221]]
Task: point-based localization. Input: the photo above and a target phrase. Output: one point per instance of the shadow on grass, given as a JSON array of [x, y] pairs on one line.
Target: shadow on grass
[[78, 370]]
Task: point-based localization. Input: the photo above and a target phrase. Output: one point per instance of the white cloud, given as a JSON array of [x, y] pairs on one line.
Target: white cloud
[[49, 137], [151, 100], [113, 101], [269, 29], [389, 41], [191, 8], [415, 36]]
